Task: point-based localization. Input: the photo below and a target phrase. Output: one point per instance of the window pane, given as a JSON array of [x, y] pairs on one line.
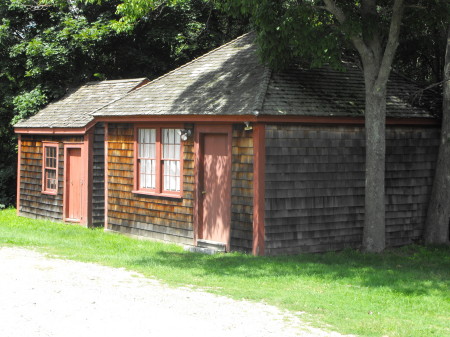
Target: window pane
[[171, 144], [141, 136], [51, 184], [142, 181], [142, 173], [148, 168], [147, 146], [166, 176], [142, 166], [147, 173], [50, 157], [50, 179], [171, 175], [51, 174], [146, 152], [152, 150], [165, 152], [152, 135]]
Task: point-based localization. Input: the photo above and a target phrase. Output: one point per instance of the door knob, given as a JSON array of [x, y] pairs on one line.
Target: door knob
[[203, 192]]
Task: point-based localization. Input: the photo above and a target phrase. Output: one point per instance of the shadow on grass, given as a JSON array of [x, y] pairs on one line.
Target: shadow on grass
[[410, 271]]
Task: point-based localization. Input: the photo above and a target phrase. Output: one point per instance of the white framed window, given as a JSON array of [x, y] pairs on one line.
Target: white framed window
[[158, 161], [50, 168]]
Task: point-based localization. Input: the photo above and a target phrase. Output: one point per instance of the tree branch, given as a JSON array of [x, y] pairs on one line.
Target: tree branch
[[371, 29], [358, 42], [392, 43]]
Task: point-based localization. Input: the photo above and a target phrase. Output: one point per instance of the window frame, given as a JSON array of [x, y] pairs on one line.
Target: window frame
[[45, 189], [158, 190]]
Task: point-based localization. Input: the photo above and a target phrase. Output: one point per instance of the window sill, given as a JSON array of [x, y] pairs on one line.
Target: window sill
[[153, 194], [49, 192]]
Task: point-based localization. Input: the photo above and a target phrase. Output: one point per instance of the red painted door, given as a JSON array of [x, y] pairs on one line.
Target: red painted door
[[216, 188], [73, 184]]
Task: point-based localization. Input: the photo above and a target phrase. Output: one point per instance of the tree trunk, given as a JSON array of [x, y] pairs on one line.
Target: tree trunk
[[438, 216], [374, 216]]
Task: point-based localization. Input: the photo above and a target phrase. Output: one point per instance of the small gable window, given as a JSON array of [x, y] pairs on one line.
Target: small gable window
[[50, 168], [158, 164]]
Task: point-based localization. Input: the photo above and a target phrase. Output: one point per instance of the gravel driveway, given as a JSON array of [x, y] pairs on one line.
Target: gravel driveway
[[42, 296]]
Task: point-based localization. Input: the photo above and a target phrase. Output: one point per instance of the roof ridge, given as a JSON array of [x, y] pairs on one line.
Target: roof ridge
[[198, 58], [176, 69], [115, 81], [260, 98]]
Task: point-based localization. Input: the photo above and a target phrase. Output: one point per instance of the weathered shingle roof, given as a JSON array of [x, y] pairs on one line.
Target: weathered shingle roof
[[230, 80], [223, 82], [328, 92], [75, 109]]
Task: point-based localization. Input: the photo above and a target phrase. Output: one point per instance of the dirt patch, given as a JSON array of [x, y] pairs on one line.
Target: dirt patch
[[41, 296]]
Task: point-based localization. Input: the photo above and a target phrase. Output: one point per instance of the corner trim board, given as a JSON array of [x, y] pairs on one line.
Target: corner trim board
[[19, 163], [259, 162], [106, 176]]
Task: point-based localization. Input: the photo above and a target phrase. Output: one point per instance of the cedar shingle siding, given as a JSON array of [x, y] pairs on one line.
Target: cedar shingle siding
[[33, 203], [411, 155], [98, 176], [315, 186], [171, 219], [242, 190], [157, 217]]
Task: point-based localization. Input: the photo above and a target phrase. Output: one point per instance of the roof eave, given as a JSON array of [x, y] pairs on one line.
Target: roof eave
[[55, 130]]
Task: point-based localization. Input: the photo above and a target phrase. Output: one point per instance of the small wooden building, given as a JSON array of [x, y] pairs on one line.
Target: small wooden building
[[223, 152], [61, 156]]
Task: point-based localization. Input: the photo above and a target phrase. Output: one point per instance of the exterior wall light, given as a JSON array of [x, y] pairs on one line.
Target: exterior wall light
[[184, 134]]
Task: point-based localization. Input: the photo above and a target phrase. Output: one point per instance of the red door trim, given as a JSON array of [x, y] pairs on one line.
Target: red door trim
[[259, 163], [198, 159], [88, 174], [84, 190]]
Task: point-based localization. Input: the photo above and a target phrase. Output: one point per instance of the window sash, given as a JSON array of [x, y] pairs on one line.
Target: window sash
[[147, 158], [50, 168], [171, 154]]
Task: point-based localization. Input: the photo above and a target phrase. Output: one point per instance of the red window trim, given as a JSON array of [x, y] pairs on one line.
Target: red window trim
[[46, 145], [158, 191]]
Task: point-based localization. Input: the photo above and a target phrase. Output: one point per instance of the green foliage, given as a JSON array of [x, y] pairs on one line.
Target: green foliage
[[421, 53], [289, 31], [402, 292], [28, 103]]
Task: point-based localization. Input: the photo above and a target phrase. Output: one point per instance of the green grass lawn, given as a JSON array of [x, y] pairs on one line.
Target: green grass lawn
[[402, 292]]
